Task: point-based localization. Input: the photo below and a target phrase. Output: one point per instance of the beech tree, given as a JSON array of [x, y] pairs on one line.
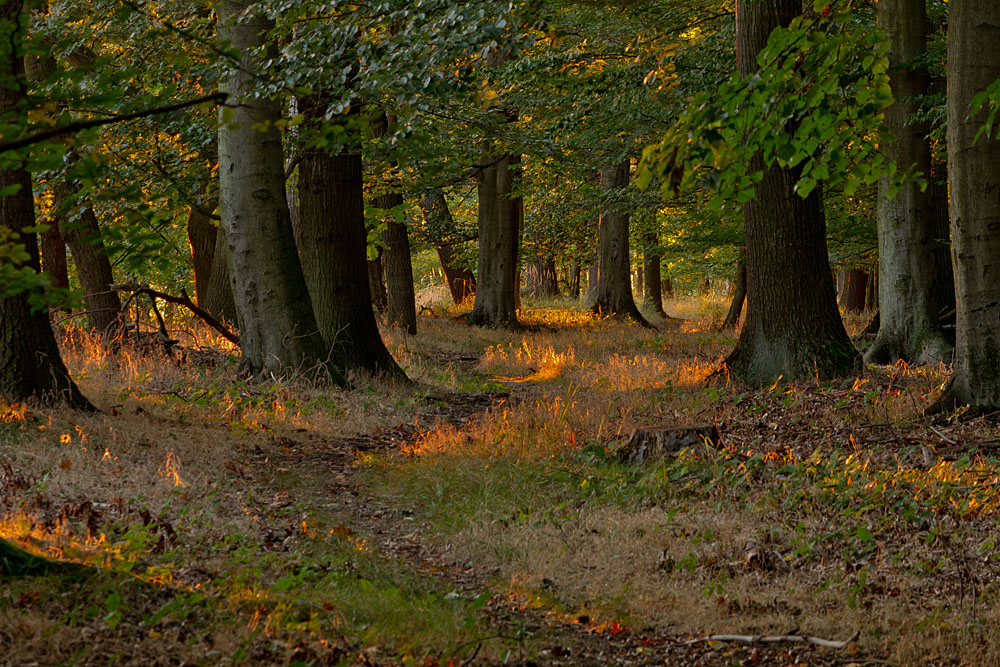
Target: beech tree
[[278, 330], [908, 303], [614, 283], [500, 216], [974, 180], [31, 367]]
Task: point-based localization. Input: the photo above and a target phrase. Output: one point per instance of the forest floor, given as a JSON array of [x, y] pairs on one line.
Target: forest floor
[[486, 516]]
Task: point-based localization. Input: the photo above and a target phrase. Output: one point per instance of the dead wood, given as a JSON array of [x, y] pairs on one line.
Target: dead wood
[[650, 444]]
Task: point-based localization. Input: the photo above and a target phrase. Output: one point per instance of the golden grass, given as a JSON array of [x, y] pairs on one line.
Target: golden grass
[[530, 490]]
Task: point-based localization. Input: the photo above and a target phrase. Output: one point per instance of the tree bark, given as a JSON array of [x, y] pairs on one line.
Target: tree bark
[[31, 367], [614, 283], [974, 174], [855, 291], [334, 254], [278, 330], [376, 283], [793, 328], [739, 293], [397, 261], [908, 309], [93, 268], [653, 294], [402, 310], [461, 282], [500, 216], [213, 291], [593, 277], [574, 279], [54, 261]]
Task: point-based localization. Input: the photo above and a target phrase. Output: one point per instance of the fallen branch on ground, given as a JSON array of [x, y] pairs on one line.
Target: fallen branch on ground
[[775, 639]]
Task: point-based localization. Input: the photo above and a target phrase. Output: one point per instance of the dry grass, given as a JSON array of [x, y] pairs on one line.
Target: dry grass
[[825, 509]]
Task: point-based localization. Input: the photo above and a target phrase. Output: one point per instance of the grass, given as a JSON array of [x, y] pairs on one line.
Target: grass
[[210, 510]]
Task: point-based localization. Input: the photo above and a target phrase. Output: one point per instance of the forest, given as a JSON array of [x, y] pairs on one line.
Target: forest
[[532, 332]]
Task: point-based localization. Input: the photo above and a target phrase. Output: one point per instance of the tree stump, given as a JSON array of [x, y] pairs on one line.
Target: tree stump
[[650, 444]]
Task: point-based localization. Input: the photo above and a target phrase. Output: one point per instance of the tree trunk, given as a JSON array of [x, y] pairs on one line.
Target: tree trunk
[[614, 284], [30, 364], [574, 279], [397, 262], [974, 173], [398, 265], [852, 297], [93, 268], [739, 293], [653, 294], [201, 236], [908, 310], [461, 281], [640, 287], [593, 277], [278, 331], [668, 288], [793, 328], [499, 232], [376, 283], [334, 254], [500, 216], [54, 260], [540, 279], [944, 276]]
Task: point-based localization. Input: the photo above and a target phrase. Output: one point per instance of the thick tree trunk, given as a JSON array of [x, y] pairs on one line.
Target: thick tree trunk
[[499, 237], [793, 328], [651, 258], [278, 331], [93, 268], [500, 217], [614, 284], [974, 173], [398, 266], [211, 273], [461, 281], [739, 292], [334, 254], [854, 291], [30, 365], [376, 283], [908, 310]]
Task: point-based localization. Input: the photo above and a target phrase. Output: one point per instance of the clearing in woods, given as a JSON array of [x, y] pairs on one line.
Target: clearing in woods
[[486, 515]]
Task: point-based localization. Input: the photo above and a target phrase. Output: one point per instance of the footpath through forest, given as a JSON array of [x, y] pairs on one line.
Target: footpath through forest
[[490, 514]]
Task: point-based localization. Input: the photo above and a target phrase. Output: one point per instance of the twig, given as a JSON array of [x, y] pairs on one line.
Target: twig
[[942, 435], [775, 639]]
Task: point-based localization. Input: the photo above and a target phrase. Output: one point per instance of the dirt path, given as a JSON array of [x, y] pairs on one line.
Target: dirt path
[[539, 636]]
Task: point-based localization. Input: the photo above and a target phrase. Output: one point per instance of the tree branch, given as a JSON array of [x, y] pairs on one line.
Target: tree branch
[[79, 125]]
